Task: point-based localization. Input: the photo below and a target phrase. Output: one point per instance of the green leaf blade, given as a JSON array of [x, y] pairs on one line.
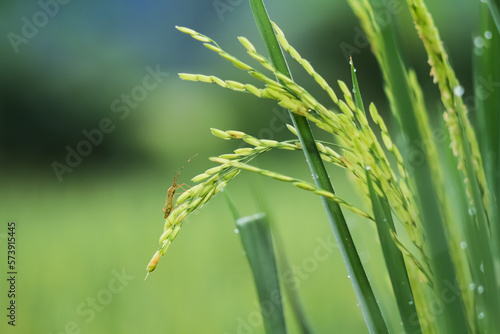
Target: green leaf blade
[[257, 241]]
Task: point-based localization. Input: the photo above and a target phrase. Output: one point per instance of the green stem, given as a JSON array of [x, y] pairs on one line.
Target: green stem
[[356, 272]]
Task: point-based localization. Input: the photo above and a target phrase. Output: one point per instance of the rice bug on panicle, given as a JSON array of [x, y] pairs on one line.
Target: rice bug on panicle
[[169, 203]]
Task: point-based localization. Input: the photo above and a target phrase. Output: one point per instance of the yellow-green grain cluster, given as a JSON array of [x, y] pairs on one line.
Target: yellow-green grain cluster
[[209, 183], [461, 132], [214, 180], [463, 140], [361, 148], [296, 182]]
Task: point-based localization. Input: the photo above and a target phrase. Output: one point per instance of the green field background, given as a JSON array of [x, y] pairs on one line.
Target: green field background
[[75, 236]]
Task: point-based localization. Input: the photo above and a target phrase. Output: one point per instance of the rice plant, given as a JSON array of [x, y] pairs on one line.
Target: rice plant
[[445, 275]]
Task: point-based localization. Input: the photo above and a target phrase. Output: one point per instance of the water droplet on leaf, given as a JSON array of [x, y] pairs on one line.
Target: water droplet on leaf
[[472, 211], [478, 42], [458, 91]]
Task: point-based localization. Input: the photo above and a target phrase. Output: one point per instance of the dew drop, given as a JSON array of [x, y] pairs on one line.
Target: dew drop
[[411, 302], [472, 211], [236, 231], [349, 276], [481, 267], [368, 168], [350, 61], [480, 315], [488, 34], [458, 91], [472, 286], [480, 289], [478, 42], [463, 245], [354, 70]]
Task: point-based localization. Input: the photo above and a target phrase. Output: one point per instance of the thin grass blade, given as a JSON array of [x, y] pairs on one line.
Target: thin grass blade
[[291, 291], [494, 6], [393, 257], [394, 261], [258, 244]]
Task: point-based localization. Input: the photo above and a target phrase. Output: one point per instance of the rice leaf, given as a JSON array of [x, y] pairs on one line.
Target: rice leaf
[[394, 261], [258, 245], [494, 6]]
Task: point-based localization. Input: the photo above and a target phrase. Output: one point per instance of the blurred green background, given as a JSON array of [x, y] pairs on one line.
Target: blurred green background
[[78, 231]]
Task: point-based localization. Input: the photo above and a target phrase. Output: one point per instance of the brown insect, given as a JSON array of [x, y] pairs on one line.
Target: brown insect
[[169, 203]]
